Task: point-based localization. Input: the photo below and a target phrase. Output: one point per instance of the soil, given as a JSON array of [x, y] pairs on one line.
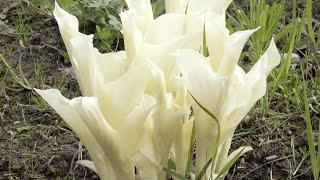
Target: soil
[[34, 141], [36, 144]]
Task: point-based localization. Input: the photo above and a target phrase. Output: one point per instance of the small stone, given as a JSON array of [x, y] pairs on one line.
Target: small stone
[[5, 28], [247, 119], [270, 158], [2, 93], [3, 16]]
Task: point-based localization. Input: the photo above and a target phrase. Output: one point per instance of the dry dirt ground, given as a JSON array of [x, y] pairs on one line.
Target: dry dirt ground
[[36, 144]]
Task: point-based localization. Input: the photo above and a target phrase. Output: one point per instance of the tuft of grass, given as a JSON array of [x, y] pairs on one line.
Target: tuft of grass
[[286, 65], [268, 18], [314, 155], [21, 81], [100, 18], [288, 85], [258, 14]]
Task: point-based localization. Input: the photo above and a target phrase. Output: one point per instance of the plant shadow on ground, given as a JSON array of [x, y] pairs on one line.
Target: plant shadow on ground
[[36, 144]]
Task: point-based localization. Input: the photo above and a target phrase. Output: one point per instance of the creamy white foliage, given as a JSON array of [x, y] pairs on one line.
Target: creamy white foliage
[[110, 121], [135, 109], [228, 92], [158, 39], [120, 86]]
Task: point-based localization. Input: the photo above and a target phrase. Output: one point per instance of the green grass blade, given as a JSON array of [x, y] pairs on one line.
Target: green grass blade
[[318, 157], [287, 63], [205, 110], [230, 163], [318, 153], [282, 33], [275, 16], [203, 170], [292, 38], [308, 10], [15, 77], [217, 140], [311, 144], [173, 173]]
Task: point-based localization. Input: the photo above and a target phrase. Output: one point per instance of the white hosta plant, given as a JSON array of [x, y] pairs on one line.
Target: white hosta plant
[[110, 119], [123, 118], [135, 108], [224, 89]]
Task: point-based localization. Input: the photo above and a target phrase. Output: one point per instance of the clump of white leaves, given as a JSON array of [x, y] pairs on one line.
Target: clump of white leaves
[[135, 106]]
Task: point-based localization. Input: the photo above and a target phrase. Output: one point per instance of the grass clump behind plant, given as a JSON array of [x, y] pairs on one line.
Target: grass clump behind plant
[[97, 17]]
